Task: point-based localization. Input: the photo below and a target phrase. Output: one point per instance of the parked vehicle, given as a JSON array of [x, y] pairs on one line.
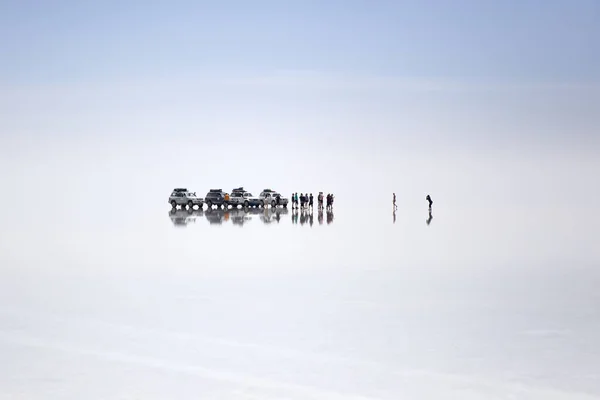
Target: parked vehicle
[[272, 198], [215, 197], [182, 197], [240, 197]]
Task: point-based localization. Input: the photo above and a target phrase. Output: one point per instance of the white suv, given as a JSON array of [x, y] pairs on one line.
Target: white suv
[[240, 197], [272, 198], [182, 197]]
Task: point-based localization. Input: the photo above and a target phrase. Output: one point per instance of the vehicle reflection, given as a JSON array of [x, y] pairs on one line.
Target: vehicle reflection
[[182, 218], [242, 216], [239, 216], [216, 216]]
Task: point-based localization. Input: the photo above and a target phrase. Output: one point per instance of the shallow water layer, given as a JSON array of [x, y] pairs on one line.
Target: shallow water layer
[[352, 304]]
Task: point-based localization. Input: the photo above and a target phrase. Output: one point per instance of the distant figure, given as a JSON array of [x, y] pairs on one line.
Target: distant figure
[[394, 201], [310, 201], [301, 200], [278, 198], [332, 197], [428, 198], [327, 201], [296, 199], [430, 217]]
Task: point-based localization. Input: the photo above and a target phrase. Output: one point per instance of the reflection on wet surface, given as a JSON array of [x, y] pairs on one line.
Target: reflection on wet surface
[[242, 216], [182, 218], [428, 218]]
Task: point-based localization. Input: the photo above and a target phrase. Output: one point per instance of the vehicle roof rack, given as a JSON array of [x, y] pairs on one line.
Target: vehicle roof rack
[[215, 190], [240, 189], [267, 190], [180, 190]]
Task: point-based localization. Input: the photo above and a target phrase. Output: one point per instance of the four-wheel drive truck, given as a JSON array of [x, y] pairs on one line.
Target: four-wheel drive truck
[[272, 198], [183, 197], [240, 197]]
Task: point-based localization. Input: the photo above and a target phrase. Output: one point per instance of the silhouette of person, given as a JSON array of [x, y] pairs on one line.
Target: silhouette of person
[[430, 217], [394, 201], [428, 198]]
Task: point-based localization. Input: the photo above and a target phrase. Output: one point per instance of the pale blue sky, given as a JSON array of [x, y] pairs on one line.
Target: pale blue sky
[[463, 99], [534, 40]]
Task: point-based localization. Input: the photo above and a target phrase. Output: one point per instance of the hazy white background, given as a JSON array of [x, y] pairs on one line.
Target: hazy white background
[[492, 109]]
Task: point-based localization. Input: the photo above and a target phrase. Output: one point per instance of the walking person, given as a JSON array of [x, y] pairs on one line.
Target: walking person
[[394, 202], [428, 198], [310, 201], [320, 200]]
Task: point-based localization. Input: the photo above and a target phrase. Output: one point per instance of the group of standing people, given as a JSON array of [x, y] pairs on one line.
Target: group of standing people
[[307, 200]]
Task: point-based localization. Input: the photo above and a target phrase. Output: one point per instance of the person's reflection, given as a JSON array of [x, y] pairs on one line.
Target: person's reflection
[[430, 218], [302, 216], [294, 215], [310, 216], [329, 216], [394, 214], [320, 216]]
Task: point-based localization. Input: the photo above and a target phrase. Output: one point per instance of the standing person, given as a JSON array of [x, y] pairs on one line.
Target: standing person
[[302, 201], [332, 198], [292, 199], [394, 202], [428, 198], [320, 200], [310, 201], [328, 200], [296, 199]]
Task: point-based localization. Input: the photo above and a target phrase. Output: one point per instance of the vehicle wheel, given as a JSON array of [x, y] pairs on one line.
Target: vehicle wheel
[[209, 204], [285, 205], [273, 204], [173, 204], [246, 203]]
